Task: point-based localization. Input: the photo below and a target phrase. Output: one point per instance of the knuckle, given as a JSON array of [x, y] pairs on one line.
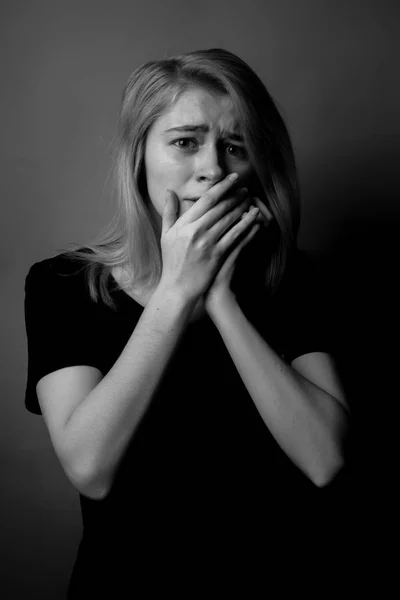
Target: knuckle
[[224, 205], [195, 234], [203, 245], [218, 254]]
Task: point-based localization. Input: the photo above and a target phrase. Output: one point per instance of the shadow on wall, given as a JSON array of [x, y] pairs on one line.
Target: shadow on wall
[[359, 272]]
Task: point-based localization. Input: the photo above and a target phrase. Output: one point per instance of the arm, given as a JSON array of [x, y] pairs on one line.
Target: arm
[[308, 421], [90, 439]]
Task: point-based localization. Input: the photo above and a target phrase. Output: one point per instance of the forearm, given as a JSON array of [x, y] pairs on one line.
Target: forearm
[[308, 423], [100, 428]]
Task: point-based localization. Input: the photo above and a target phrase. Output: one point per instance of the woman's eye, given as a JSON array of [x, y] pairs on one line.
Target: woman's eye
[[185, 141], [231, 149], [238, 151]]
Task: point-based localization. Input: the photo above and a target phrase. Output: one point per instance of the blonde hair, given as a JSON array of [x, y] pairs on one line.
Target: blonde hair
[[131, 240]]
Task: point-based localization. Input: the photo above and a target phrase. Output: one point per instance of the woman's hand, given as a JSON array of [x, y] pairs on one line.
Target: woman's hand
[[221, 284], [195, 245]]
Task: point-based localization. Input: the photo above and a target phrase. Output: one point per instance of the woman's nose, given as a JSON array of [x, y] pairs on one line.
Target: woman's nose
[[210, 165]]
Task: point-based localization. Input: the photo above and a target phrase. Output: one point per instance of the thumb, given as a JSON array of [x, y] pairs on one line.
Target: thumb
[[170, 211]]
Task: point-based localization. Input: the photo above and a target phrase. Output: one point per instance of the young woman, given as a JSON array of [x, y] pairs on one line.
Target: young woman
[[181, 361]]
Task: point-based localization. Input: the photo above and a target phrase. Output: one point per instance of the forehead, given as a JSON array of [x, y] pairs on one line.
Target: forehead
[[200, 106]]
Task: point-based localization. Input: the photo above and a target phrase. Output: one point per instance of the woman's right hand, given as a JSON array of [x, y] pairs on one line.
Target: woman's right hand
[[194, 245]]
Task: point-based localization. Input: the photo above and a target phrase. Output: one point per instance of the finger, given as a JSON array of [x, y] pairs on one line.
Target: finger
[[264, 211], [249, 236], [244, 242], [249, 213], [221, 218], [259, 218], [169, 215], [235, 233], [209, 199], [244, 236]]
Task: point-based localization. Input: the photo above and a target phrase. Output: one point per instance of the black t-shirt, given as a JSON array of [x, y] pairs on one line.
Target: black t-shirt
[[202, 469]]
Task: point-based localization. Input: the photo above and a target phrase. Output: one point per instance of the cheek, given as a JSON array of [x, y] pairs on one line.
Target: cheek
[[163, 170], [157, 169], [244, 168]]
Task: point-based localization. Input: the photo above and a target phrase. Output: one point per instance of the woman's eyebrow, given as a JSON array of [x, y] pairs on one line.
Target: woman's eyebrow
[[204, 128]]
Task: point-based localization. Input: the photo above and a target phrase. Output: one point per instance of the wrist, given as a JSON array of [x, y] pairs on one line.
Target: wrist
[[179, 296], [219, 300]]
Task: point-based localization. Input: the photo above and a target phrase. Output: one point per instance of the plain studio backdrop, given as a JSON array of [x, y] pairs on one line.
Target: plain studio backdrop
[[332, 68]]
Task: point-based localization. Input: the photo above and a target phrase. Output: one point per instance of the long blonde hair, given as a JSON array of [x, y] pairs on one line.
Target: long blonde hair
[[131, 240]]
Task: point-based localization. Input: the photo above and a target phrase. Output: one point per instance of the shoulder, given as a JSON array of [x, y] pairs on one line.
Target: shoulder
[[60, 264], [61, 272]]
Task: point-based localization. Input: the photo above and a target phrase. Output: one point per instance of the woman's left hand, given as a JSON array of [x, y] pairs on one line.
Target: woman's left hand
[[221, 284]]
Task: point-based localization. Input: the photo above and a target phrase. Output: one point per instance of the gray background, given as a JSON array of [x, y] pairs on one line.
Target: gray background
[[333, 69]]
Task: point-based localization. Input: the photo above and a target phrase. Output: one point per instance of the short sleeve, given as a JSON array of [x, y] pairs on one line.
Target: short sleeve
[[304, 309], [60, 332]]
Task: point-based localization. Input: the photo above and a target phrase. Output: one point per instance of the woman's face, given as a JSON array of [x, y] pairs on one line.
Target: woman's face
[[190, 161]]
